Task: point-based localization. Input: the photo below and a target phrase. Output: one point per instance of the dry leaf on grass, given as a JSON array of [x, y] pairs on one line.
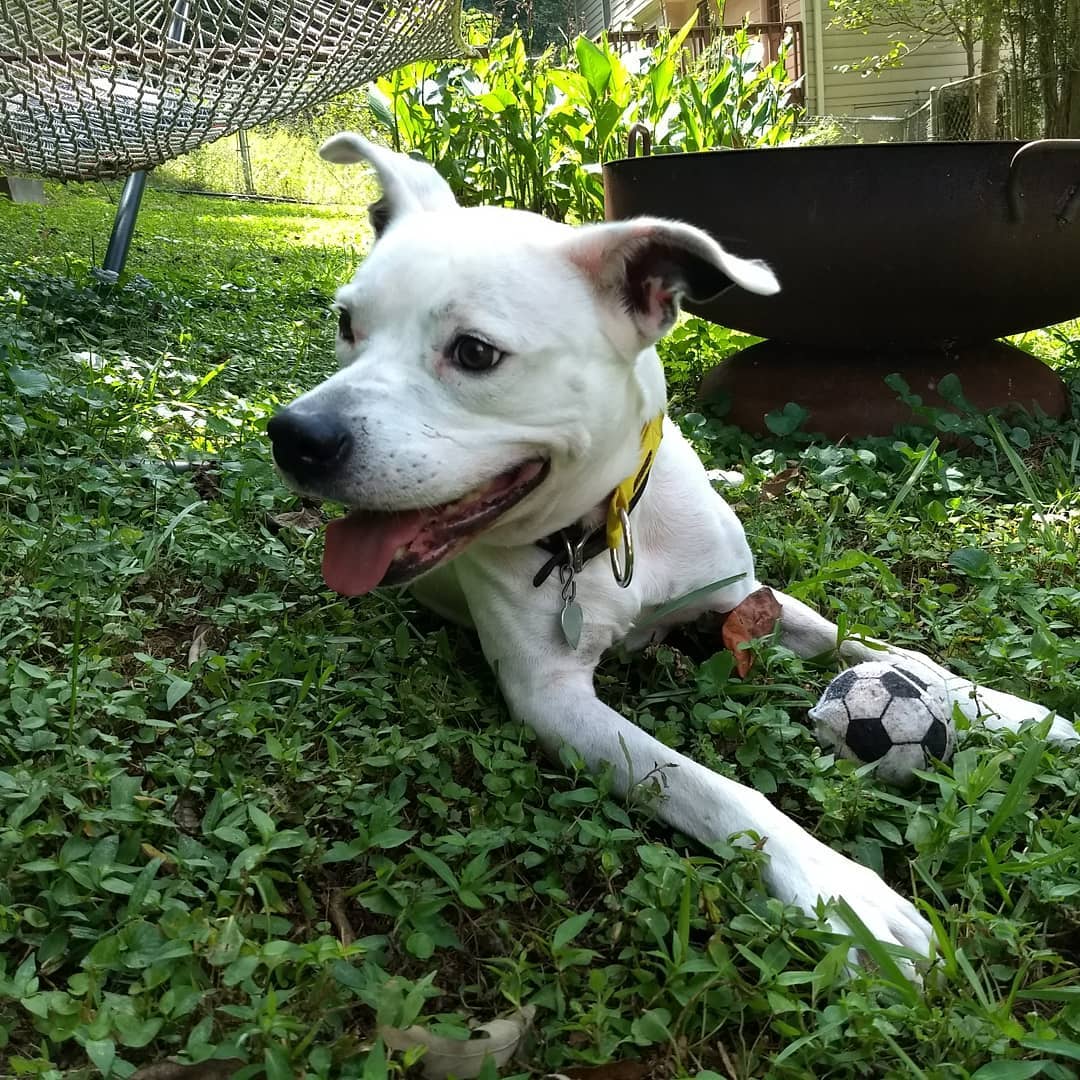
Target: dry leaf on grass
[[614, 1070], [151, 852], [463, 1057], [754, 618], [774, 487], [187, 813], [339, 917], [198, 643], [682, 667], [306, 519], [206, 1070], [204, 480]]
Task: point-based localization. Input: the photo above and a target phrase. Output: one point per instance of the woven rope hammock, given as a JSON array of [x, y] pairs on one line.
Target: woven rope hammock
[[103, 88]]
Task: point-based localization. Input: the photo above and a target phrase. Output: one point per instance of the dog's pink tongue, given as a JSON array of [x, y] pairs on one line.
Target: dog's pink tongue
[[360, 548]]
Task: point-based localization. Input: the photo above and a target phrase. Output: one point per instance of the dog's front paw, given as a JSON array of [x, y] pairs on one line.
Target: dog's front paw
[[809, 872], [997, 710], [1063, 733]]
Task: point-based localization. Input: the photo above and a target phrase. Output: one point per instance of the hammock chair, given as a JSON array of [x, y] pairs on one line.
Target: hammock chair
[[92, 89]]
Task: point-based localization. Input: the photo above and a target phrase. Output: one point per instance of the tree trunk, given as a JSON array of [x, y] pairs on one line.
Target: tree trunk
[[1045, 30], [988, 66], [1071, 89], [1072, 96]]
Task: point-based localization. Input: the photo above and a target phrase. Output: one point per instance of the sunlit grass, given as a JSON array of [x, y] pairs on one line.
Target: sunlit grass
[[1055, 344], [284, 163]]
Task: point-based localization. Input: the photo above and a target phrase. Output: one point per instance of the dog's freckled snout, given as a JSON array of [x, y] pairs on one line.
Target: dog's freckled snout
[[309, 445]]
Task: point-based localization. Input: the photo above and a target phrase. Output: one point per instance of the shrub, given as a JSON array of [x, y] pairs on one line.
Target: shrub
[[510, 129]]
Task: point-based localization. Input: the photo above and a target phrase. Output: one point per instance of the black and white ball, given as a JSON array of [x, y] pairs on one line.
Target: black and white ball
[[888, 713]]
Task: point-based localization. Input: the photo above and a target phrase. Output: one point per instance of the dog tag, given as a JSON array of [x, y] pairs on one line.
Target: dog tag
[[571, 619]]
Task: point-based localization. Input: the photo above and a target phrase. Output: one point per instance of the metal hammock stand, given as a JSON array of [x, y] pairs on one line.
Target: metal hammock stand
[[92, 89]]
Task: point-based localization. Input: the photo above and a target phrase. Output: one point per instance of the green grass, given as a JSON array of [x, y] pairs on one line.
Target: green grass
[[321, 818], [283, 165]]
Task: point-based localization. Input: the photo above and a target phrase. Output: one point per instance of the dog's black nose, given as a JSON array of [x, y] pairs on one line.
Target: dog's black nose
[[309, 445]]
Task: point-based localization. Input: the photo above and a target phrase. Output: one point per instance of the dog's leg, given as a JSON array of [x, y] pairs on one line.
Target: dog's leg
[[809, 634], [559, 703]]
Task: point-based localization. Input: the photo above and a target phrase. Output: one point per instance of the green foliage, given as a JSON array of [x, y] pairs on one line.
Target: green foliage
[[909, 25], [510, 129], [541, 22], [322, 819], [284, 162], [691, 349]]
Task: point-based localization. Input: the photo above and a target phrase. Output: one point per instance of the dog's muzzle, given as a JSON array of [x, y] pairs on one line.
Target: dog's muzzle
[[309, 446]]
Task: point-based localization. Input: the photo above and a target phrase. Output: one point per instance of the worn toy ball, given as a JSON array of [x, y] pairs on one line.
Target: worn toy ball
[[889, 713]]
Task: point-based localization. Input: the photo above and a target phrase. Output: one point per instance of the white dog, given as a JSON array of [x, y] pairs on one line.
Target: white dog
[[493, 423]]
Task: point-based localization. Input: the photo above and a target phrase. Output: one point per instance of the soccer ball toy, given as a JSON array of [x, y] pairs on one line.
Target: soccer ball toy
[[889, 713]]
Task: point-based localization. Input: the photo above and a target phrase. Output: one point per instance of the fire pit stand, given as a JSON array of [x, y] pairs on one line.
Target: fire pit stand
[[898, 257]]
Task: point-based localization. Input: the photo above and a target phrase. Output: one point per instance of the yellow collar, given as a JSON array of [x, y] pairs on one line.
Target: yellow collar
[[625, 495], [574, 546]]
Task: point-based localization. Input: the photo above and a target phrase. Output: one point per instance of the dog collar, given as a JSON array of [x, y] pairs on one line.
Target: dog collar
[[575, 545]]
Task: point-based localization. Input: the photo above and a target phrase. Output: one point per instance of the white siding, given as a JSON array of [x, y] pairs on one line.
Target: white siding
[[592, 14], [624, 13], [892, 91]]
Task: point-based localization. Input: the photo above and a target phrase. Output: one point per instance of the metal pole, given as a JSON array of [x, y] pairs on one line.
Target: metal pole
[[245, 161], [127, 210]]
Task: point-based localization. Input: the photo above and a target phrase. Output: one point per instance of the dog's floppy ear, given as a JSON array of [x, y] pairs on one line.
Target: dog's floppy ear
[[648, 265], [408, 186]]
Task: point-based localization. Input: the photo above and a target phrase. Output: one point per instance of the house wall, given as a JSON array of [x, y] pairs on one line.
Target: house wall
[[892, 92], [592, 14], [846, 93], [792, 11], [738, 11], [627, 12], [647, 13]]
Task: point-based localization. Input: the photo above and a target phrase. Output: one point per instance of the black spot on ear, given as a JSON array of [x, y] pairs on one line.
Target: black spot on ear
[[868, 739], [702, 280], [379, 215], [344, 326], [678, 271]]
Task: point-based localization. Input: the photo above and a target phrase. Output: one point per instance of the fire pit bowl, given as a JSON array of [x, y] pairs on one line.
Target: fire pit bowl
[[878, 246]]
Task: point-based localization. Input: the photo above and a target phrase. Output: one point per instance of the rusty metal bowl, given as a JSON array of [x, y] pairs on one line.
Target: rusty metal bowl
[[908, 244]]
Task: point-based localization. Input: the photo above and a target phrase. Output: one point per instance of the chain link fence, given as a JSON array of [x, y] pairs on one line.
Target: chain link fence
[[1025, 107]]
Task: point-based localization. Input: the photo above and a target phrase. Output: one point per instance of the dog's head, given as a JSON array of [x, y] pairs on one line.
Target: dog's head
[[496, 371]]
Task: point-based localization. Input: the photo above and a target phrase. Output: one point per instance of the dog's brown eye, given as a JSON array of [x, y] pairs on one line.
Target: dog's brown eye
[[472, 354], [344, 327]]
